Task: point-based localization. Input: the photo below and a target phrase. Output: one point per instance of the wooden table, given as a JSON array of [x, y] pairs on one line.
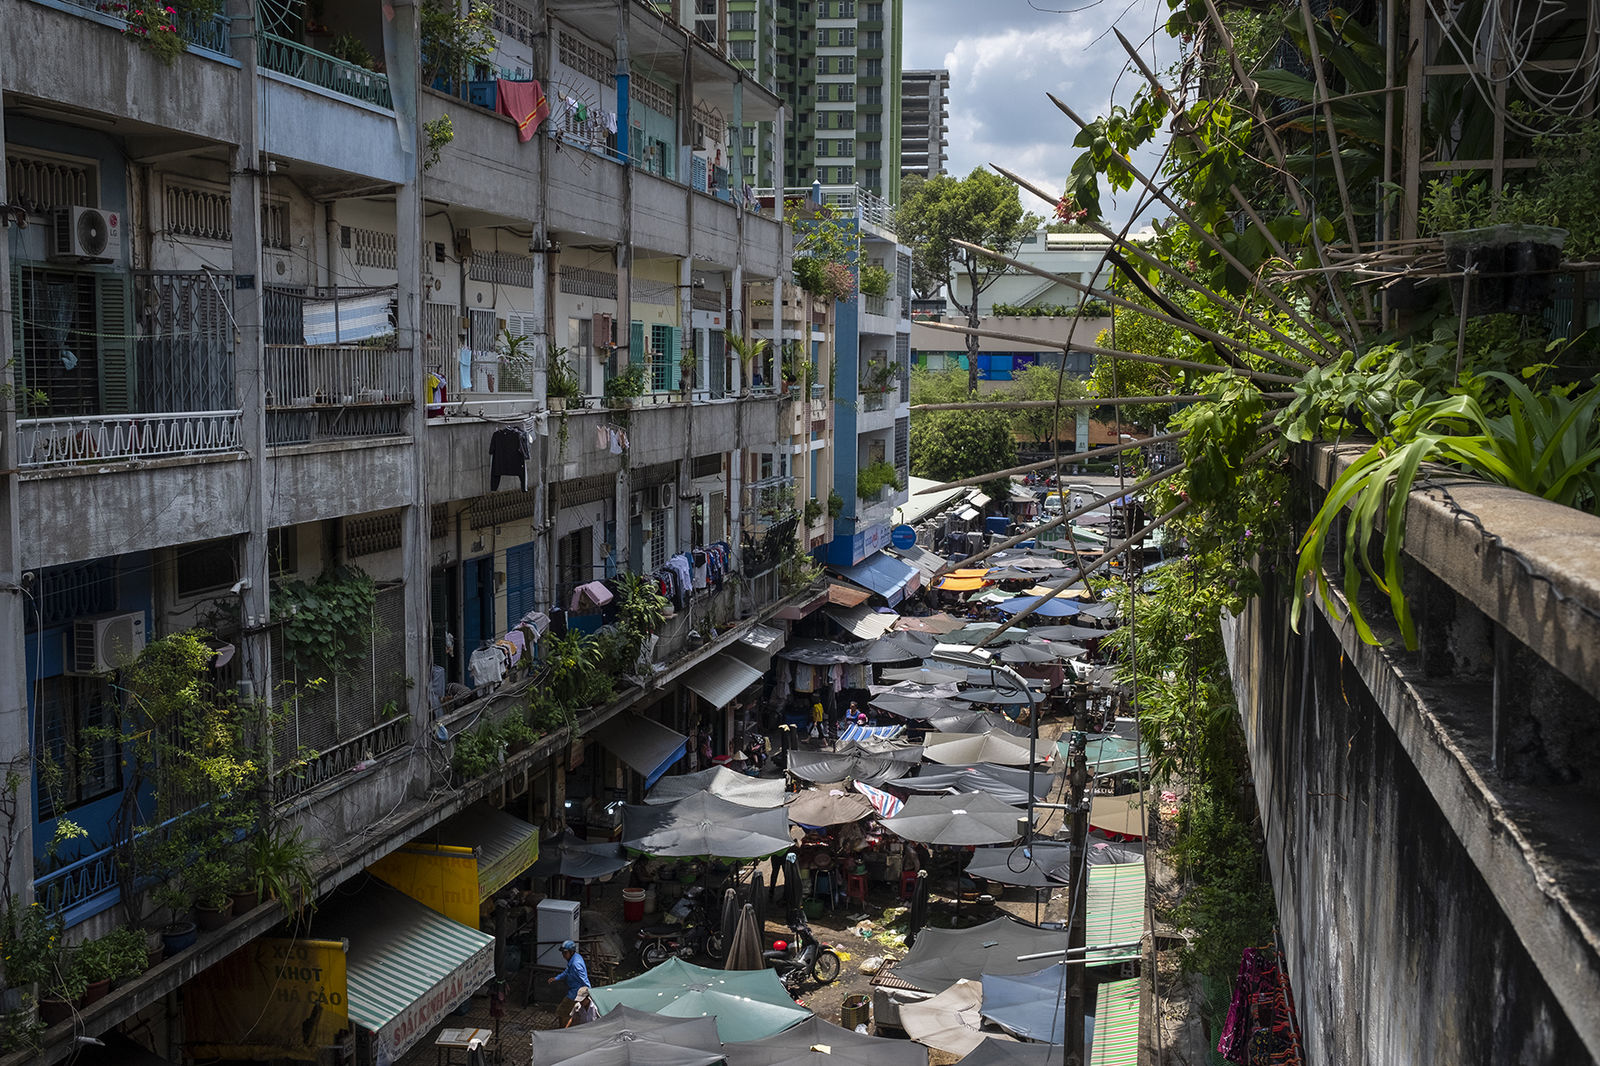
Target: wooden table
[[450, 1041]]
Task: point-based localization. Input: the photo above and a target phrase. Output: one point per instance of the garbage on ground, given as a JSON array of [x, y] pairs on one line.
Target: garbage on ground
[[872, 964]]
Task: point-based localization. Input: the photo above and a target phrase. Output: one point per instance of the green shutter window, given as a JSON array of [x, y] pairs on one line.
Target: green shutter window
[[636, 344], [115, 331]]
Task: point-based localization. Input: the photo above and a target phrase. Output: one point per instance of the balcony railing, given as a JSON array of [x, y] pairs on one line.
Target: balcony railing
[[873, 401], [212, 33], [327, 765], [877, 305], [306, 375], [44, 442], [324, 71], [769, 501]]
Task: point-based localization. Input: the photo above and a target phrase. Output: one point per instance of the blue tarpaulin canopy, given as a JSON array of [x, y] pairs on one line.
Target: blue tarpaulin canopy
[[887, 576]]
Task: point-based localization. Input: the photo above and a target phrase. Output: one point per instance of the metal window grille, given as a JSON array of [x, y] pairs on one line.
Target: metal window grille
[[503, 268], [502, 508], [88, 766], [373, 248], [439, 521], [513, 20], [72, 591], [581, 281], [59, 344], [663, 360], [185, 346], [42, 183], [657, 97], [660, 535]]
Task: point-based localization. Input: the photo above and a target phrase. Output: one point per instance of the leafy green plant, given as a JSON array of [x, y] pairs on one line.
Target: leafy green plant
[[517, 732], [835, 505], [477, 751], [561, 381], [279, 866], [1546, 445], [153, 27], [874, 280], [328, 624], [127, 954], [454, 44], [93, 959], [439, 132], [625, 385], [571, 659], [30, 938], [873, 478], [814, 508], [210, 881], [352, 49]]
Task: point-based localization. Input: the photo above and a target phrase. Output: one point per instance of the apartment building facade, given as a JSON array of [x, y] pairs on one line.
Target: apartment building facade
[[924, 121], [276, 313]]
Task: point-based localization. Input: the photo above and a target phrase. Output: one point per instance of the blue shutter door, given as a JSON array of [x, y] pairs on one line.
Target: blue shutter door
[[520, 570]]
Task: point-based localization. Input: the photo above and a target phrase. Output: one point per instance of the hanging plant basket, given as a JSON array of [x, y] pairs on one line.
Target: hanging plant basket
[[1503, 269]]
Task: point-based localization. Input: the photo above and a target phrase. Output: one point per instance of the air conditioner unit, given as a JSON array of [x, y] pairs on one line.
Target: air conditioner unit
[[103, 643], [86, 233], [666, 493]]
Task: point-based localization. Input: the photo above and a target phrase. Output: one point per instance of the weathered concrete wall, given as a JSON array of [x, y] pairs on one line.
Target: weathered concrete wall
[[1428, 817]]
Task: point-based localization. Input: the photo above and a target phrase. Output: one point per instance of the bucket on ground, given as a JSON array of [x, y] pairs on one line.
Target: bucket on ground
[[633, 904], [857, 1010]]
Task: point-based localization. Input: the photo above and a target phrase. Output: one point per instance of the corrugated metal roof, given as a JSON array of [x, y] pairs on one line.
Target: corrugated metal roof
[[861, 622], [845, 596], [505, 844], [1116, 1025], [721, 678], [408, 965], [646, 745], [1114, 911]]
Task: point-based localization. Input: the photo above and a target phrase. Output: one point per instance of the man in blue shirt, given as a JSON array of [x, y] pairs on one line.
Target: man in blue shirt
[[575, 976]]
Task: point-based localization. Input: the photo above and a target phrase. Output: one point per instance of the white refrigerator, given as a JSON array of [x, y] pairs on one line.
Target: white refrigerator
[[557, 921]]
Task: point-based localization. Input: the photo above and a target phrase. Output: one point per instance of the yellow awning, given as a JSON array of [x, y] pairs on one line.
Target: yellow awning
[[961, 584], [970, 572]]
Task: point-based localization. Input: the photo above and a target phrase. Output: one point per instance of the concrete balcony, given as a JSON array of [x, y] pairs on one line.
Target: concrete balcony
[[47, 43], [485, 166], [875, 411]]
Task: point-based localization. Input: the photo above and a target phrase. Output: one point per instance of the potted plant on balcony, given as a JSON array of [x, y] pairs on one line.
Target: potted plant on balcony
[[750, 352], [561, 382], [454, 44], [622, 390], [687, 364], [126, 954], [278, 863], [30, 939], [874, 280]]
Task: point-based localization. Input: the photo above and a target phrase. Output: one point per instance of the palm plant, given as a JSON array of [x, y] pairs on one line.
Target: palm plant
[[1547, 445], [279, 862], [749, 350]]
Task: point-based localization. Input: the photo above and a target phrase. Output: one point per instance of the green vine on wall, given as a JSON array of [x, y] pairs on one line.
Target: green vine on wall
[[328, 624]]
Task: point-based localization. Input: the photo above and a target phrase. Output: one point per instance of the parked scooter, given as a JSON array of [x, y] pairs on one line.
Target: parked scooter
[[691, 929], [804, 956]]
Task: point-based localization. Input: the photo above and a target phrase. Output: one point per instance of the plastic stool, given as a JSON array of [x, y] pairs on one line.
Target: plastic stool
[[908, 883], [822, 885], [855, 888]]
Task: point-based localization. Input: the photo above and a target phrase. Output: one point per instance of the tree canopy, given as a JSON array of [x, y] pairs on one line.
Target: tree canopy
[[983, 209], [947, 445]]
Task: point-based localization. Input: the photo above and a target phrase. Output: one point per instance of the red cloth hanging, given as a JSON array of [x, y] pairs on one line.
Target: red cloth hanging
[[524, 103]]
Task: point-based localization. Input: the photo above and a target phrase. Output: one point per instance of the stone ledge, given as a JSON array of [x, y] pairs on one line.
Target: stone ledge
[[1531, 565]]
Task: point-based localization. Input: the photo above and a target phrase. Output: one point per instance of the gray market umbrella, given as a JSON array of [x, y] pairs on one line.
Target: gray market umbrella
[[1010, 573], [972, 818], [815, 1042], [1013, 1053], [980, 631], [911, 707], [629, 1037], [924, 675], [1001, 782], [1025, 866], [899, 647], [944, 956], [1033, 1006], [1005, 697], [747, 1004], [962, 749], [569, 856], [976, 720], [915, 690], [1028, 653], [703, 824], [816, 806], [838, 766], [952, 1021], [1069, 632], [1101, 610], [745, 947], [1060, 650], [723, 783]]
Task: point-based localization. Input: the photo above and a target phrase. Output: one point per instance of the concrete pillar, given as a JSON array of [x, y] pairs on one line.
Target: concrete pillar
[[624, 276], [16, 834], [415, 517], [250, 357]]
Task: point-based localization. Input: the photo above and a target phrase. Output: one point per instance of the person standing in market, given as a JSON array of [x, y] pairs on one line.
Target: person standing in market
[[575, 976], [818, 717]]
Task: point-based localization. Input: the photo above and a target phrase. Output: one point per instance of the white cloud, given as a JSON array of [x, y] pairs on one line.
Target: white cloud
[[1002, 65]]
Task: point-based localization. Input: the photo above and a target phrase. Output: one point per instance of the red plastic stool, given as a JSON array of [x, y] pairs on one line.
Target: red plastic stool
[[855, 887], [908, 883]]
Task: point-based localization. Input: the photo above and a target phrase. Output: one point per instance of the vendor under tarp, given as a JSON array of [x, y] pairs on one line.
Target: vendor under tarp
[[887, 576], [645, 745], [824, 653]]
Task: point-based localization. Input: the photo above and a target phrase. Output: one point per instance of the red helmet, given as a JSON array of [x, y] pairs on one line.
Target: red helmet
[[780, 945]]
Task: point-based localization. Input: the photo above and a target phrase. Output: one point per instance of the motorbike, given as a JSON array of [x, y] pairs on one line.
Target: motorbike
[[690, 929], [804, 956]]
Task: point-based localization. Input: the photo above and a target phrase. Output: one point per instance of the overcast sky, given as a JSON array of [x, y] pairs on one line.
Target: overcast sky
[[1004, 55]]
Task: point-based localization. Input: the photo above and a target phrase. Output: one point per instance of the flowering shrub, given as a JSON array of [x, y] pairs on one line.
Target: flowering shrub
[[152, 26]]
